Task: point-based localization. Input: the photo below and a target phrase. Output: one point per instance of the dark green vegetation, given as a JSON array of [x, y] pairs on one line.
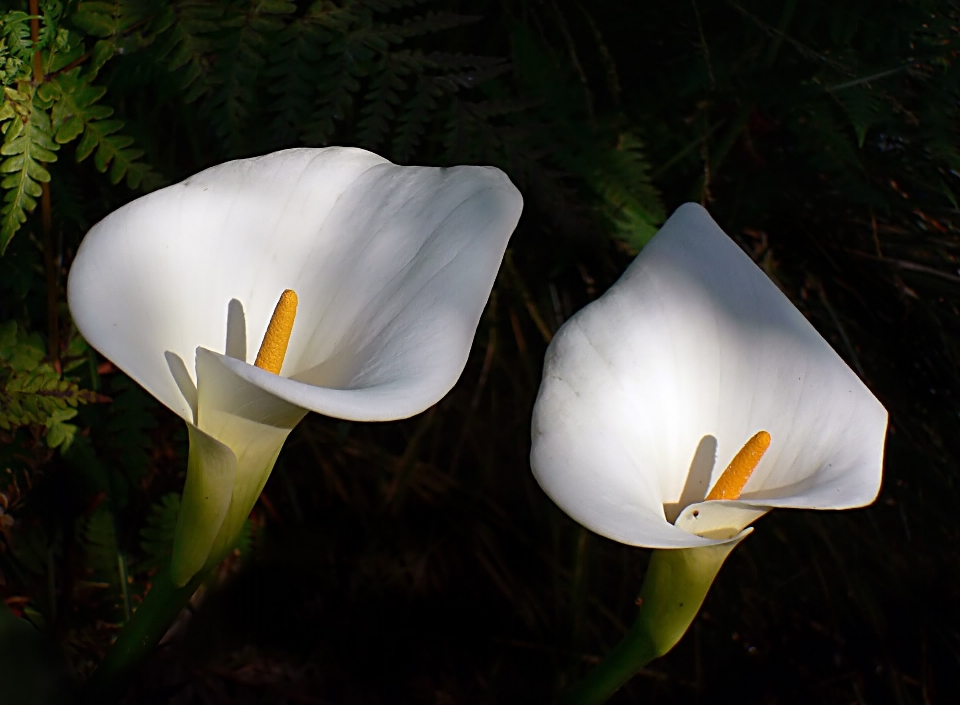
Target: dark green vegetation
[[418, 561]]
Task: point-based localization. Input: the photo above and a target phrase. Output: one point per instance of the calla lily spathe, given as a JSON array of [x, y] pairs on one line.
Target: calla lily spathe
[[649, 392], [392, 266]]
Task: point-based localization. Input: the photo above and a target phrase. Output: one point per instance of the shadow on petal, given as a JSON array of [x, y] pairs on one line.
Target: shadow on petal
[[236, 346], [181, 375], [698, 478]]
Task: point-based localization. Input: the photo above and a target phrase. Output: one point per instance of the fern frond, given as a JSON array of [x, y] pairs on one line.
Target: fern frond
[[242, 50], [337, 84], [630, 201], [109, 19], [414, 120], [76, 111], [378, 111], [863, 107], [75, 106], [189, 44], [50, 11], [33, 393], [28, 142], [122, 26], [292, 71], [100, 544], [12, 69], [128, 427], [156, 536], [15, 30]]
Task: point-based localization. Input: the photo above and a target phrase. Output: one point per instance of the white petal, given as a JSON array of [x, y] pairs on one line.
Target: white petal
[[695, 347], [394, 327], [392, 266]]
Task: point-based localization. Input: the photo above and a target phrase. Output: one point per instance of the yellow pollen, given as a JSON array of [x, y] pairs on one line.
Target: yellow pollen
[[274, 346], [734, 478]]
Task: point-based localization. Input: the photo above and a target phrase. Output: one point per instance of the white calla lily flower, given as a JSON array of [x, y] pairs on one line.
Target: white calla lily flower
[[651, 390], [392, 267]]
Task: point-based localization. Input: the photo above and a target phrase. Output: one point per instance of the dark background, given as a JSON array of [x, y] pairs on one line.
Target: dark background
[[418, 561]]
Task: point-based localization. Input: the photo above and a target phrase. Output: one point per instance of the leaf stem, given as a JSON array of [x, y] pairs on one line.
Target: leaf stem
[[34, 37]]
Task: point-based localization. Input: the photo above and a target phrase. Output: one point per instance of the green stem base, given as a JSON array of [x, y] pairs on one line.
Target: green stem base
[[139, 636], [674, 587], [621, 664]]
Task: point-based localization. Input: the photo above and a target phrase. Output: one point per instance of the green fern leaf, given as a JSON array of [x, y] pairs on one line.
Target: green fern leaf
[[130, 422], [242, 48], [378, 112], [100, 544], [15, 30], [338, 84], [156, 536], [414, 120], [109, 19], [863, 108], [60, 434], [630, 200], [292, 71], [49, 34], [76, 111], [105, 561], [28, 141], [75, 106], [96, 18], [189, 44], [33, 393]]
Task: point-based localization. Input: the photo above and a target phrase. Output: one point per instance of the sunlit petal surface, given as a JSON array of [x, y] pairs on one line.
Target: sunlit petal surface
[[392, 266], [649, 392]]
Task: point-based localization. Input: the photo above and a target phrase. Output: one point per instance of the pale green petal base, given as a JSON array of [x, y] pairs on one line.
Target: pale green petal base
[[221, 488], [220, 491], [234, 445], [673, 590], [211, 474]]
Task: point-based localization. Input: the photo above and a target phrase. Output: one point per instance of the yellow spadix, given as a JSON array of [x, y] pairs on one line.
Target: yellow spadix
[[274, 346], [734, 478]]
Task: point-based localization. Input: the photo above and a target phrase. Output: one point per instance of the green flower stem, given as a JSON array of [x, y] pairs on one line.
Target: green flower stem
[[621, 664], [140, 635], [673, 590]]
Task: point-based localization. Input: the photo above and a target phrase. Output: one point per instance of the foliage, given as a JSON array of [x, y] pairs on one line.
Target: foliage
[[28, 142], [156, 536], [823, 136], [32, 392], [54, 103]]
